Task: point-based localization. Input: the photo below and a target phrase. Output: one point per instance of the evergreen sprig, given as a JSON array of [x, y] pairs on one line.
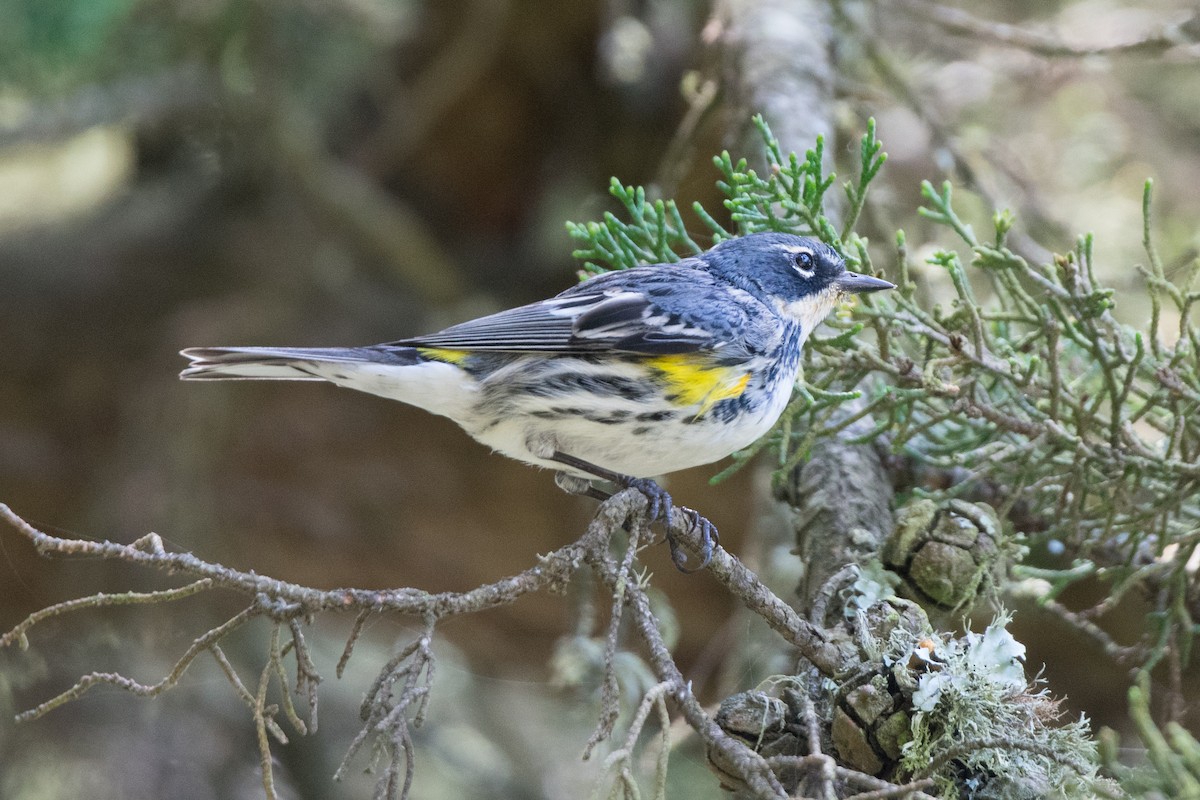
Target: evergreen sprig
[[789, 198], [1084, 430], [652, 235], [1171, 767]]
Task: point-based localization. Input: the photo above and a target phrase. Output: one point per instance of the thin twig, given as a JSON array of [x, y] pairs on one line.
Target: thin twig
[[87, 682], [733, 754], [355, 632], [610, 692], [1167, 38], [99, 600]]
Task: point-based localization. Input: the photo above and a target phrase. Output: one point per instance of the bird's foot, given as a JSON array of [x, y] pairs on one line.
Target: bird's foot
[[708, 541], [658, 502], [659, 506]]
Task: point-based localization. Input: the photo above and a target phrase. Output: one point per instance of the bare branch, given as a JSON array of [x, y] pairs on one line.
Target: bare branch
[[396, 702], [85, 684], [355, 632], [99, 600], [276, 662], [621, 760], [610, 688], [263, 713], [733, 756], [812, 641], [778, 63], [1168, 38], [552, 570]]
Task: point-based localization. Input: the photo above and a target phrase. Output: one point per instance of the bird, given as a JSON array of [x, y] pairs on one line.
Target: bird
[[627, 375]]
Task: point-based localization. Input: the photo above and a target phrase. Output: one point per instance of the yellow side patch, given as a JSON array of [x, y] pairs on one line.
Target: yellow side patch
[[692, 381], [455, 357]]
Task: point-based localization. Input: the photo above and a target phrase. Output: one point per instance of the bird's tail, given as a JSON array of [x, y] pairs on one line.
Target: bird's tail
[[286, 363]]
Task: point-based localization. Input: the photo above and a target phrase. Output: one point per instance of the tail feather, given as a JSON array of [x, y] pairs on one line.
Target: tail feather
[[284, 363]]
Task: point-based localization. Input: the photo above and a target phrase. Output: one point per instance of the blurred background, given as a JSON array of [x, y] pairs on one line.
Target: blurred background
[[202, 172]]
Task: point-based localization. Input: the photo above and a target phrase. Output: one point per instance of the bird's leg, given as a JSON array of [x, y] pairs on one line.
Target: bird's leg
[[573, 484], [659, 504]]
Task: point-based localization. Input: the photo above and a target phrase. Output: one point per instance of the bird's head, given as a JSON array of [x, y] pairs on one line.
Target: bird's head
[[799, 277]]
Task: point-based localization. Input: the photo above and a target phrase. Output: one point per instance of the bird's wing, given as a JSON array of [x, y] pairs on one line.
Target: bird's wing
[[653, 310]]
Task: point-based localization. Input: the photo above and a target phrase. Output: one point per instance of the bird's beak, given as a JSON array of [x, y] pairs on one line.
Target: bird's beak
[[853, 283]]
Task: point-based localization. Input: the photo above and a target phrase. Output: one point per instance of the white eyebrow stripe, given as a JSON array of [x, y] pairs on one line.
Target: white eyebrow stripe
[[796, 248]]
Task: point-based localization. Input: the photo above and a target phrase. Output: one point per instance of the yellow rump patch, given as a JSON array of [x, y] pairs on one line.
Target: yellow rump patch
[[455, 357], [691, 380]]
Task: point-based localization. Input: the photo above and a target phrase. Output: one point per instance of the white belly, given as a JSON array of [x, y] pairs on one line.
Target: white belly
[[604, 431], [638, 449]]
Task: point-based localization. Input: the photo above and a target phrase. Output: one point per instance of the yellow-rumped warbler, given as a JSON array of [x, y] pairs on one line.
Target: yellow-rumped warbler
[[627, 375]]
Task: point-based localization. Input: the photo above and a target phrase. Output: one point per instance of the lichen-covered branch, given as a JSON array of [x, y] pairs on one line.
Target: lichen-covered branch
[[395, 703]]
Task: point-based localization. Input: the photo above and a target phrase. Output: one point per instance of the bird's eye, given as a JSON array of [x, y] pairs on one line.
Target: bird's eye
[[804, 263]]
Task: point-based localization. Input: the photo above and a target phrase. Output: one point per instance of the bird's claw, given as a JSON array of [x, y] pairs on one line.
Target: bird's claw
[[659, 506], [658, 501], [708, 541]]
